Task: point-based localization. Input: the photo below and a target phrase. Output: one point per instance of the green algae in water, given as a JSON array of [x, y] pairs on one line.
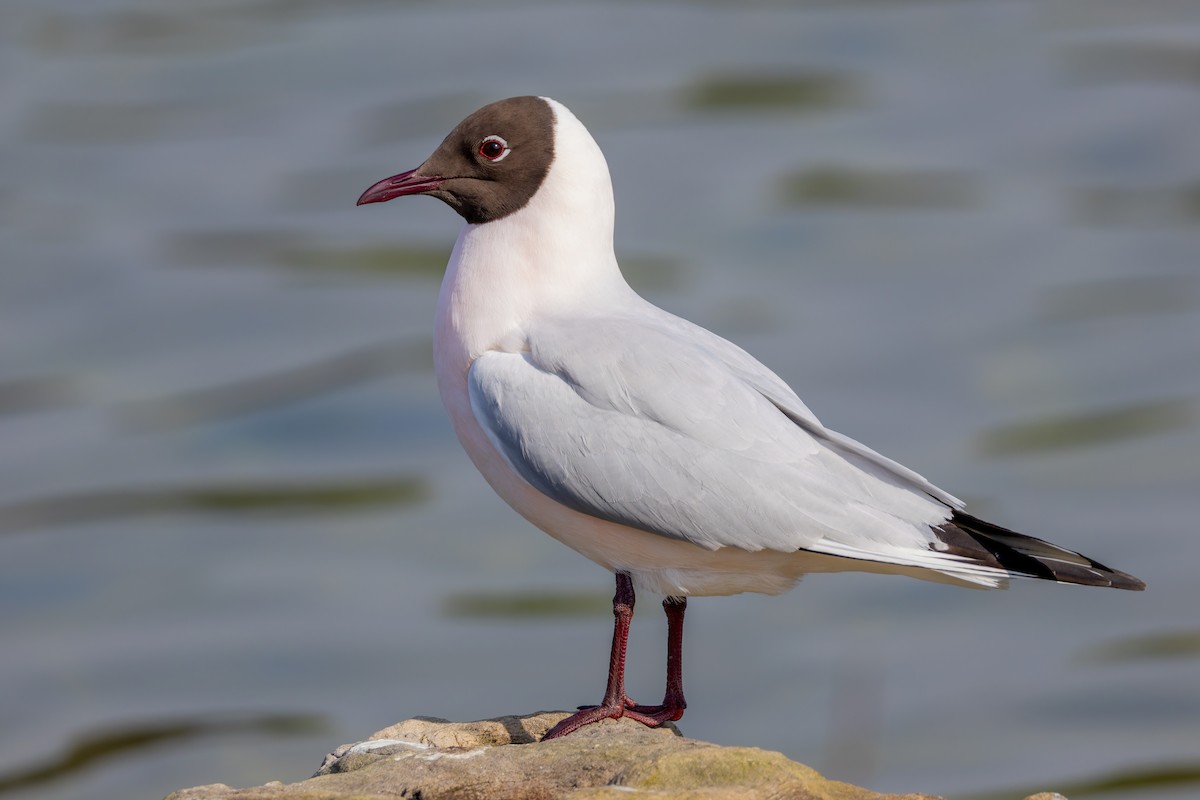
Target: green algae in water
[[1150, 647], [1133, 295], [100, 746], [837, 185], [276, 389], [243, 497], [1132, 782], [1080, 430], [294, 251], [1138, 206], [794, 92], [525, 605]]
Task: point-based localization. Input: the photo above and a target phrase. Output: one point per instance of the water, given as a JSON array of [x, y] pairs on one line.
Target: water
[[235, 527]]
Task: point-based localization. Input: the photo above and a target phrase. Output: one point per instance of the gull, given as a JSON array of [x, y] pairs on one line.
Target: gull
[[654, 447]]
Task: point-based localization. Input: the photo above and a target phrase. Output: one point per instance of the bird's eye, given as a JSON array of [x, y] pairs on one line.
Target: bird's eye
[[493, 148]]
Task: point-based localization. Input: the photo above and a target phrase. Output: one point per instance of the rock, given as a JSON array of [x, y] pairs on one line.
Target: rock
[[503, 759]]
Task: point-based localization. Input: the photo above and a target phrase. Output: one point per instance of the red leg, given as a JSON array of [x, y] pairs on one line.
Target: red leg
[[673, 704], [616, 703]]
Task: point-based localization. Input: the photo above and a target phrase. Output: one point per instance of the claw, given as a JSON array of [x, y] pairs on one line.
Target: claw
[[651, 716]]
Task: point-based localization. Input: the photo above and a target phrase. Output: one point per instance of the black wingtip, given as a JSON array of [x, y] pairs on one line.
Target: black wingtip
[[1123, 580], [1019, 554]]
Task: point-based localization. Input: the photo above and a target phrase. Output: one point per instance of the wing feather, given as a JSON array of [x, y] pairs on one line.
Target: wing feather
[[682, 434]]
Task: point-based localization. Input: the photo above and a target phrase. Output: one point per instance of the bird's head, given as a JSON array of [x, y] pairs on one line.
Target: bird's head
[[488, 167]]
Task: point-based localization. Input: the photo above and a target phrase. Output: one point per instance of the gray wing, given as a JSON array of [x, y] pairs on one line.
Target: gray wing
[[755, 374], [665, 427]]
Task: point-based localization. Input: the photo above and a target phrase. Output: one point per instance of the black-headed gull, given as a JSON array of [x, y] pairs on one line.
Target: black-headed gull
[[650, 445]]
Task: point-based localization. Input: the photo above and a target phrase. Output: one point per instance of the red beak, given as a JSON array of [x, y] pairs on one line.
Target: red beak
[[398, 186]]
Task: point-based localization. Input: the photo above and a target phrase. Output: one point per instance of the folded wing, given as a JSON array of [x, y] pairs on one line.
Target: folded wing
[[686, 436]]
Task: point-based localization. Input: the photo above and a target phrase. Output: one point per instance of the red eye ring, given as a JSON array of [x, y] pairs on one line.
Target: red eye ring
[[493, 148]]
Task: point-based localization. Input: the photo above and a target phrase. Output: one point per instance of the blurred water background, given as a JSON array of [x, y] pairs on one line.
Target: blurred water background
[[235, 526]]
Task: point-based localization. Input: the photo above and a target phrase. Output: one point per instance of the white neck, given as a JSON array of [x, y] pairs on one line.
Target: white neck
[[554, 256]]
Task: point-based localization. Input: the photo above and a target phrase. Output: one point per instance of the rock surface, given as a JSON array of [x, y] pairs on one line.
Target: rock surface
[[503, 759]]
